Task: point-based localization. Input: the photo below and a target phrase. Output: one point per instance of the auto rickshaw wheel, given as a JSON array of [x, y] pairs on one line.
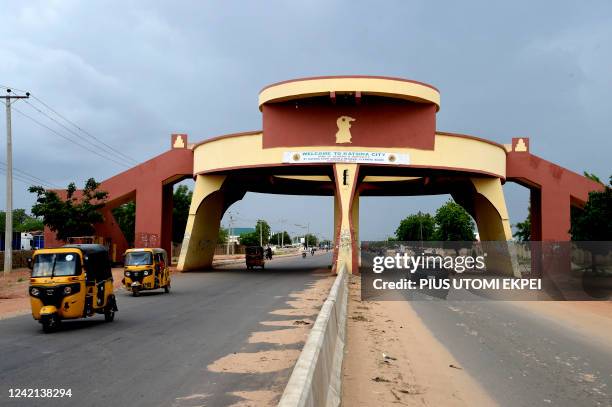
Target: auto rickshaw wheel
[[167, 288], [135, 292], [50, 323], [109, 311]]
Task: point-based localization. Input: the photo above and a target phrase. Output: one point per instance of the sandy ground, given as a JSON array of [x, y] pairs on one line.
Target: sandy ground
[[290, 331], [14, 299], [393, 359]]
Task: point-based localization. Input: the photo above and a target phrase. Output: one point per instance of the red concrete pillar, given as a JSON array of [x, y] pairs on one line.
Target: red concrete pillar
[[149, 204], [167, 206], [535, 214], [555, 214]]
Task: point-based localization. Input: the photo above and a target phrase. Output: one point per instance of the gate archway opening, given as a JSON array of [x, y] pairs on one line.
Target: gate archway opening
[[346, 137]]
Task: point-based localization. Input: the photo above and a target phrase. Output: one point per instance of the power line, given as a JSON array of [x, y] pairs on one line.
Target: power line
[[109, 149], [24, 180], [69, 139], [34, 177]]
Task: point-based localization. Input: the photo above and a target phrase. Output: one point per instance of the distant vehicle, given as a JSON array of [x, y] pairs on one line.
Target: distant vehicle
[[254, 257], [146, 269], [69, 282]]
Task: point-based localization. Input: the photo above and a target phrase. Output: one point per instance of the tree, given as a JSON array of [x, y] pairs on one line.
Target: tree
[[180, 212], [125, 215], [592, 177], [75, 216], [262, 229], [453, 223], [30, 224], [594, 222], [523, 229], [249, 239], [311, 239], [22, 222], [416, 227], [278, 238], [223, 236]]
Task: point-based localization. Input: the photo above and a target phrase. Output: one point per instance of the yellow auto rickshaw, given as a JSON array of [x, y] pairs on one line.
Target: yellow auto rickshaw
[[254, 257], [73, 281], [146, 269]]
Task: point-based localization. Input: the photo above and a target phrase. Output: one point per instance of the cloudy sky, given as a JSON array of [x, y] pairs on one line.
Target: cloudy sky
[[132, 72]]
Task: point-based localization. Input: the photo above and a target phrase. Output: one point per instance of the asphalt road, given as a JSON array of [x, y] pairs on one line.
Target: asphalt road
[[156, 351], [521, 358]]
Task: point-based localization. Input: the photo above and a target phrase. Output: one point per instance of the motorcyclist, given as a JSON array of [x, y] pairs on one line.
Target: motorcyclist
[[269, 253]]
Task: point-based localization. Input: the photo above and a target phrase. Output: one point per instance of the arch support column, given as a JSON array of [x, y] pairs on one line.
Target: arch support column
[[490, 210], [345, 247], [202, 230], [491, 215]]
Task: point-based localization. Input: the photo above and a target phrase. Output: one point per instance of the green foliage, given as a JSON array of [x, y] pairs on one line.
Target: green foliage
[[278, 238], [125, 216], [311, 239], [74, 216], [249, 239], [416, 227], [523, 229], [264, 227], [22, 222], [180, 212], [592, 177], [453, 223], [594, 223], [223, 236], [254, 238], [30, 224]]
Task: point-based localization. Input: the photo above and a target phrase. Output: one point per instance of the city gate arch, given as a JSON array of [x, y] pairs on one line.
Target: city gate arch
[[354, 136]]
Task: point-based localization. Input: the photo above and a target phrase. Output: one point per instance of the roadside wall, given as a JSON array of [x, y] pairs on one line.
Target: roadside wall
[[20, 258], [316, 377]]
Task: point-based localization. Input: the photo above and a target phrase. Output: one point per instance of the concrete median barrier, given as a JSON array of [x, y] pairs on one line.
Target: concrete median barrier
[[316, 377]]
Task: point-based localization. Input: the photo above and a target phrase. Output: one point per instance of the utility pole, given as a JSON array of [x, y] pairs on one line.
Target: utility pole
[[282, 222], [260, 234], [229, 234], [8, 227]]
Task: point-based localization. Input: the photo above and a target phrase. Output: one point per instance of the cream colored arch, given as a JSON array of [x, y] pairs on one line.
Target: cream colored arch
[[202, 230]]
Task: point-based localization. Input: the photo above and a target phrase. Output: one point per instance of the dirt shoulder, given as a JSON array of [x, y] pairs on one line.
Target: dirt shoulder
[[393, 359]]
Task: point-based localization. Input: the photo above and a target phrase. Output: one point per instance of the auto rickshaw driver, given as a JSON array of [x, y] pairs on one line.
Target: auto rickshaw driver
[[73, 281], [146, 269]]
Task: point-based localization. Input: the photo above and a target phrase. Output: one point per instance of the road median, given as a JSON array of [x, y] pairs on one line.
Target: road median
[[316, 377]]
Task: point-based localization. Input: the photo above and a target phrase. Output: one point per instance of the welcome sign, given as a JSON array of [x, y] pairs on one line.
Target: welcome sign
[[357, 157]]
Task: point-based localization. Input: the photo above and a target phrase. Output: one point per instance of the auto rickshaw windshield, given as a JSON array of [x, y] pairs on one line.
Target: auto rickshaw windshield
[[55, 265], [138, 259]]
